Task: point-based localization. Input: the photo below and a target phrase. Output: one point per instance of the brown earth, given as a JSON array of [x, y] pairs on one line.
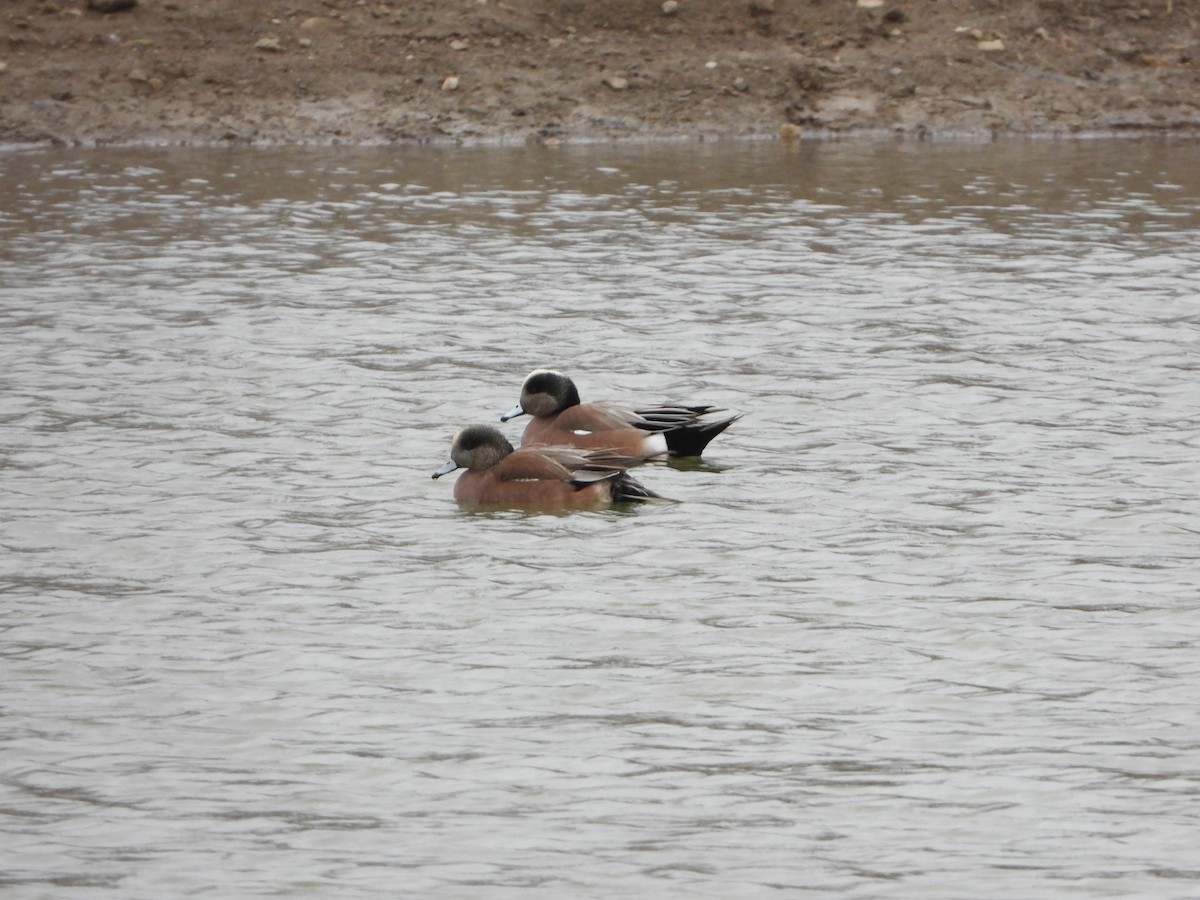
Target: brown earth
[[203, 71]]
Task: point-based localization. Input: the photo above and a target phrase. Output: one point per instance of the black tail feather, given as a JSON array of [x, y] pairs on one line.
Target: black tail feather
[[691, 439], [627, 489], [687, 429]]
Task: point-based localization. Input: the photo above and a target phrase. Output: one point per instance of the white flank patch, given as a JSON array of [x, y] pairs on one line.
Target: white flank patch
[[655, 443]]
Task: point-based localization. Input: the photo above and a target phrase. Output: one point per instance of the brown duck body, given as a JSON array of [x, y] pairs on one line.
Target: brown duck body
[[543, 479], [560, 419]]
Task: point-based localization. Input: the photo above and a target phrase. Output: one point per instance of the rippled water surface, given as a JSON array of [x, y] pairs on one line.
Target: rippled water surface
[[924, 622]]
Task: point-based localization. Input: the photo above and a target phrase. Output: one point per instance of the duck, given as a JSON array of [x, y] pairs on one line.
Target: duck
[[560, 419], [536, 479]]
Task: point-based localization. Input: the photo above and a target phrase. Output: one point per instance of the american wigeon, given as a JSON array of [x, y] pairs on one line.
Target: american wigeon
[[547, 479], [559, 419]]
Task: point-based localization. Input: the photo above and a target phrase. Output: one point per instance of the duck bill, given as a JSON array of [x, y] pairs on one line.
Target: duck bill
[[446, 469], [513, 413]]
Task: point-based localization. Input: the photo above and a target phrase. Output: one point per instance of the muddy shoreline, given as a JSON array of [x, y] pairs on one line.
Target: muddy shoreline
[[196, 72]]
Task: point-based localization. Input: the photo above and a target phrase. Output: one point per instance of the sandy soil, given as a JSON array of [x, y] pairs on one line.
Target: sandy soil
[[204, 71]]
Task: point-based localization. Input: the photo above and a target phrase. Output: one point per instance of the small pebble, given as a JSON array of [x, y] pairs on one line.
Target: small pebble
[[111, 6]]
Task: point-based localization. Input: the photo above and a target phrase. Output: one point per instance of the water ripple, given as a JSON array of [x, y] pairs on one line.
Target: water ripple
[[923, 620]]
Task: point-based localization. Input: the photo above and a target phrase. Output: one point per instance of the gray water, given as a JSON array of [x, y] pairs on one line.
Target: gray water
[[923, 623]]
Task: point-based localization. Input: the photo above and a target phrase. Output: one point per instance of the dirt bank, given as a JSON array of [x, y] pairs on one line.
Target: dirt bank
[[202, 71]]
